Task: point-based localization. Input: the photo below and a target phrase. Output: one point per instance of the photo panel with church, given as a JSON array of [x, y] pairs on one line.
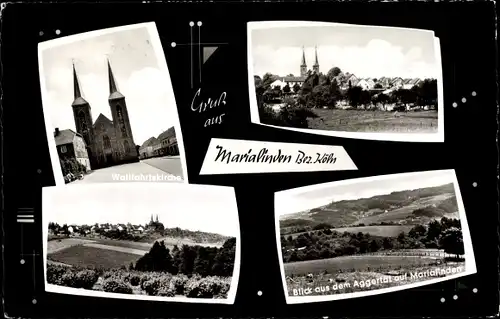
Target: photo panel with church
[[142, 241], [109, 108], [351, 81]]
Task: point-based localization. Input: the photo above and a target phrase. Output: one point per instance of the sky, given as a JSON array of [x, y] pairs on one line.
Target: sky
[[192, 207], [300, 200], [363, 51], [137, 72]]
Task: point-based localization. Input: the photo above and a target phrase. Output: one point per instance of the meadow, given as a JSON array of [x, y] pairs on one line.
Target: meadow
[[353, 120], [88, 256], [354, 264]]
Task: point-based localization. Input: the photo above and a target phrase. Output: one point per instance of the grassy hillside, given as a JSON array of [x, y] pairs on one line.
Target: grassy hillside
[[430, 202]]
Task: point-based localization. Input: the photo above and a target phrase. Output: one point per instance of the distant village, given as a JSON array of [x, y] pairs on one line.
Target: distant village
[[98, 228]]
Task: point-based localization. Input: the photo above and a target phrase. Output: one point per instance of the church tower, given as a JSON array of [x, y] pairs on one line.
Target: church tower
[[121, 122], [316, 63], [83, 117], [303, 65]]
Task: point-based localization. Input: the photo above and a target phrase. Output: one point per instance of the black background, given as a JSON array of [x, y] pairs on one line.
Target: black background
[[467, 34]]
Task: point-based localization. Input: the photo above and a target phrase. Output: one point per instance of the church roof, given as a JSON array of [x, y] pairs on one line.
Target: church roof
[[102, 118], [79, 101], [77, 90], [293, 78], [116, 95], [168, 133], [65, 137], [150, 142], [113, 87]]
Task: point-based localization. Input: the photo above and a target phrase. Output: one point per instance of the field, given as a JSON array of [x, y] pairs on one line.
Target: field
[[383, 231], [107, 253], [374, 121], [348, 282], [88, 256], [403, 212], [354, 263], [379, 230]]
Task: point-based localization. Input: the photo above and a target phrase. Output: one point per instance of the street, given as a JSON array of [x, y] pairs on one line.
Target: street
[[162, 169]]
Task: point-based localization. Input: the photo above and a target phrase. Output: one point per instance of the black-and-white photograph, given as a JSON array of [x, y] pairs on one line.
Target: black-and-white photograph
[[109, 107], [372, 235], [368, 82], [147, 241]]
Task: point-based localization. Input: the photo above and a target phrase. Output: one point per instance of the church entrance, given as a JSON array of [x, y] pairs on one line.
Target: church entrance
[[109, 159]]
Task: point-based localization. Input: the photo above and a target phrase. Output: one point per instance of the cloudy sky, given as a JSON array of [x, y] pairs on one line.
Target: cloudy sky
[[300, 200], [363, 51], [137, 71], [194, 207]]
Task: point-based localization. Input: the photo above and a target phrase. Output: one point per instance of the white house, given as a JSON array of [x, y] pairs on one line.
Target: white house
[[278, 83], [70, 229], [120, 228], [366, 84]]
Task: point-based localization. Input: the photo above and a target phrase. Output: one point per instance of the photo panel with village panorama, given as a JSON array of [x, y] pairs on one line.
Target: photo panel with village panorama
[[374, 235], [109, 107], [142, 241], [349, 81]]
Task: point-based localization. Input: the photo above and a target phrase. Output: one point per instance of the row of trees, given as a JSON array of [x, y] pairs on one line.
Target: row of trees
[[445, 234], [189, 260]]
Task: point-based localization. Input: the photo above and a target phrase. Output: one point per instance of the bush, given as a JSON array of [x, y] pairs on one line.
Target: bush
[[156, 285], [135, 280], [55, 273], [85, 279], [116, 286], [177, 284], [208, 287]]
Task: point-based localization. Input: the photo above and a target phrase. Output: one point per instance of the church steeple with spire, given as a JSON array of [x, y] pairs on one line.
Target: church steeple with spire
[[303, 65], [316, 63]]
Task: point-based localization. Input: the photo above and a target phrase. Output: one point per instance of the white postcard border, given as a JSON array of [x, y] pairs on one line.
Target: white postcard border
[[395, 137], [231, 296], [162, 64], [470, 263]]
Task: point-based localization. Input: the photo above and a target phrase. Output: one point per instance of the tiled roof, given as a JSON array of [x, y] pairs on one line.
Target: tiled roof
[[102, 118], [79, 101], [150, 142], [64, 137], [168, 133], [293, 78]]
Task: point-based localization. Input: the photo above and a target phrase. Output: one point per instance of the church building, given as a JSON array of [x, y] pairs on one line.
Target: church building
[[291, 80], [109, 141]]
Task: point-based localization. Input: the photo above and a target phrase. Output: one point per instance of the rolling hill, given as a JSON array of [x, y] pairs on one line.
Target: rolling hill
[[422, 204]]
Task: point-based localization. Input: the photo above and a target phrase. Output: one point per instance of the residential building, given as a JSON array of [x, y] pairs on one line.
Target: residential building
[[71, 145]]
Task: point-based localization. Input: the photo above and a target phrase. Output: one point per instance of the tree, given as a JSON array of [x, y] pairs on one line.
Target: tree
[[417, 231], [428, 92], [296, 88], [333, 72], [433, 230], [286, 89], [354, 95], [374, 245], [452, 242], [387, 243]]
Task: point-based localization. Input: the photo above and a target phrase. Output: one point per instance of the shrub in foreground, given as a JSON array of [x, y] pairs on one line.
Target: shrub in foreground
[[116, 286], [208, 287]]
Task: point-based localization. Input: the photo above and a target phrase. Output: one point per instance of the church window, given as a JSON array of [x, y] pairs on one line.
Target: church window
[[63, 149], [119, 113], [82, 126], [106, 142], [126, 146], [124, 130]]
